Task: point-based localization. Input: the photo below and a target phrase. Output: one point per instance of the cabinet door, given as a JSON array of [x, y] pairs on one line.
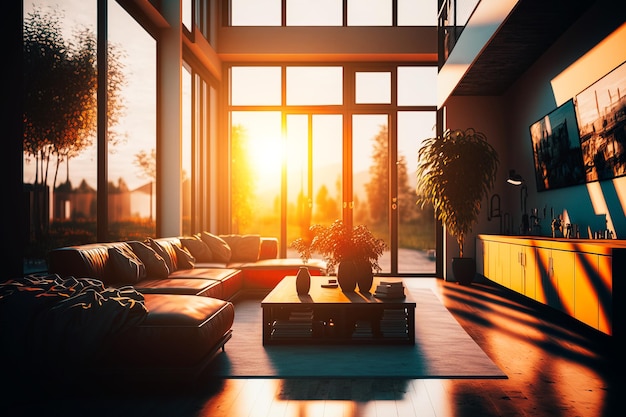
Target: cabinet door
[[605, 295], [528, 260], [482, 256], [494, 262], [516, 258], [504, 264], [543, 271], [563, 275], [587, 288]]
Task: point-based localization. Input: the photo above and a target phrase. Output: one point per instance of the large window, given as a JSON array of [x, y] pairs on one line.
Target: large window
[[332, 13], [312, 144], [132, 149], [61, 153]]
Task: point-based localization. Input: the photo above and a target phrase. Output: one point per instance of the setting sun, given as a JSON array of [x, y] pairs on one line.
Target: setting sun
[[267, 155]]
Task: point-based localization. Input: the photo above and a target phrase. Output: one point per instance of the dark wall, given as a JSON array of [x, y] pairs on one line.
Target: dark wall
[[13, 224]]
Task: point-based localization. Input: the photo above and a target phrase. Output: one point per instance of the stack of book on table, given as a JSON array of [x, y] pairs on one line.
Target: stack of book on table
[[394, 323], [389, 289], [298, 325]]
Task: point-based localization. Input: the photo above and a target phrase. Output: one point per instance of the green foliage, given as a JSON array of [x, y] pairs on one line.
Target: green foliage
[[338, 242], [455, 173]]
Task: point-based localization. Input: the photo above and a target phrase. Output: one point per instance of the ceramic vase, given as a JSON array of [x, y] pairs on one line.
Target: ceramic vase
[[303, 281], [365, 276], [346, 275]]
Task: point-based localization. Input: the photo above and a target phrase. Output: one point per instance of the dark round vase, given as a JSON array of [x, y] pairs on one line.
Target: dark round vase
[[365, 276], [303, 281], [346, 275]]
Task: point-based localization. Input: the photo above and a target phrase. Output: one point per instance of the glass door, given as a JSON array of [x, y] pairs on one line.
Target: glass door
[[314, 143], [370, 193]]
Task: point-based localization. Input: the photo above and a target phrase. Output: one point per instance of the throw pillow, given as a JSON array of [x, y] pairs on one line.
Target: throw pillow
[[155, 264], [197, 248], [162, 251], [126, 267], [244, 248], [219, 248], [185, 259]]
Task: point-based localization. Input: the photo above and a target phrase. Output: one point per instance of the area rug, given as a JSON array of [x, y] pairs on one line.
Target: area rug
[[442, 350]]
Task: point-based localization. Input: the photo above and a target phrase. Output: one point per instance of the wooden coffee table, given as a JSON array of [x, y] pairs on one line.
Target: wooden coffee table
[[328, 315]]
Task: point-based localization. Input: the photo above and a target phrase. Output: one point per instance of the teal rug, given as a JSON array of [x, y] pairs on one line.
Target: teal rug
[[442, 350]]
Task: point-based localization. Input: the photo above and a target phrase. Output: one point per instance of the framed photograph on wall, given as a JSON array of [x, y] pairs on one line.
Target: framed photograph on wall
[[556, 149], [601, 115]]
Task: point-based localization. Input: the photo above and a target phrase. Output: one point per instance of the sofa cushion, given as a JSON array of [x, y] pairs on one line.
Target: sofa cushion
[[230, 280], [155, 264], [178, 331], [126, 267], [266, 274], [89, 260], [197, 248], [181, 285], [269, 248], [244, 248], [218, 246], [184, 259], [166, 251]]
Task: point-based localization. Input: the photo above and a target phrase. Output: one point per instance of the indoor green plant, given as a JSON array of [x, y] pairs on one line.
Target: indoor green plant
[[455, 173], [353, 251]]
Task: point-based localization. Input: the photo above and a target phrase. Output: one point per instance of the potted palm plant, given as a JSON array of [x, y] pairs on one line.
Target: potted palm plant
[[353, 251], [455, 173]]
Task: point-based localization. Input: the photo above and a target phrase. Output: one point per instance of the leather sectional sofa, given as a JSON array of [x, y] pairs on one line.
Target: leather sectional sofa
[[188, 294]]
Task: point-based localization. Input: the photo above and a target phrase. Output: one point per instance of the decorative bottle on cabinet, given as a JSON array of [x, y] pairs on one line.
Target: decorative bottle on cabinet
[[303, 281]]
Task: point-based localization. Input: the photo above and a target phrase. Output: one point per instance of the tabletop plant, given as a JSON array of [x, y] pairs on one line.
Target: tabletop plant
[[339, 243]]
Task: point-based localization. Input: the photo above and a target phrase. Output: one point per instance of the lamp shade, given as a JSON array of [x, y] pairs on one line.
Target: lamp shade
[[515, 178]]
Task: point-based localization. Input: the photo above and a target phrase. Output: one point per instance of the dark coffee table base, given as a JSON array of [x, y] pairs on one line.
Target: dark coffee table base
[[329, 316]]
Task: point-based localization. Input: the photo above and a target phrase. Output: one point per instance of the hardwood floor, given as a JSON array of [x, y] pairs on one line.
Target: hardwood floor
[[555, 366]]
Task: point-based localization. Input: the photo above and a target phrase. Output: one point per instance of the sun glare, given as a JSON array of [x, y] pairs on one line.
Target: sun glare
[[267, 155]]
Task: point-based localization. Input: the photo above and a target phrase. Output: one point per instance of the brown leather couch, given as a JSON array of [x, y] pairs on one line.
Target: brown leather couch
[[190, 304]]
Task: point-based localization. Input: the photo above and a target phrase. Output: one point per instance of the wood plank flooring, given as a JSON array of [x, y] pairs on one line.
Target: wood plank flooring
[[555, 366]]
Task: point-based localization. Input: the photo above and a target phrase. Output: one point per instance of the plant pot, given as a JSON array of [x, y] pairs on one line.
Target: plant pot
[[464, 270], [346, 275], [365, 276], [303, 281]]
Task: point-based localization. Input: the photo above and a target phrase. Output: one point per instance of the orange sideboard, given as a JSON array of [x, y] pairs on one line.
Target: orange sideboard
[[580, 277]]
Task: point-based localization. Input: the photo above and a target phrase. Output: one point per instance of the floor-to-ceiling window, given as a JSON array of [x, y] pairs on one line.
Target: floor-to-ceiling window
[[317, 185], [315, 143], [187, 142], [199, 173], [132, 149], [61, 152]]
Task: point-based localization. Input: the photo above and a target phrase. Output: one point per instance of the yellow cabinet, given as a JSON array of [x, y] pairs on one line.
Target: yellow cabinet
[[563, 278], [517, 260], [575, 276], [606, 294], [546, 291], [493, 265], [528, 258], [503, 264], [588, 288]]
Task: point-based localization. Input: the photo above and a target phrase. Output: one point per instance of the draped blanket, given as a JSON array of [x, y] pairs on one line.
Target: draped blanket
[[49, 321]]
